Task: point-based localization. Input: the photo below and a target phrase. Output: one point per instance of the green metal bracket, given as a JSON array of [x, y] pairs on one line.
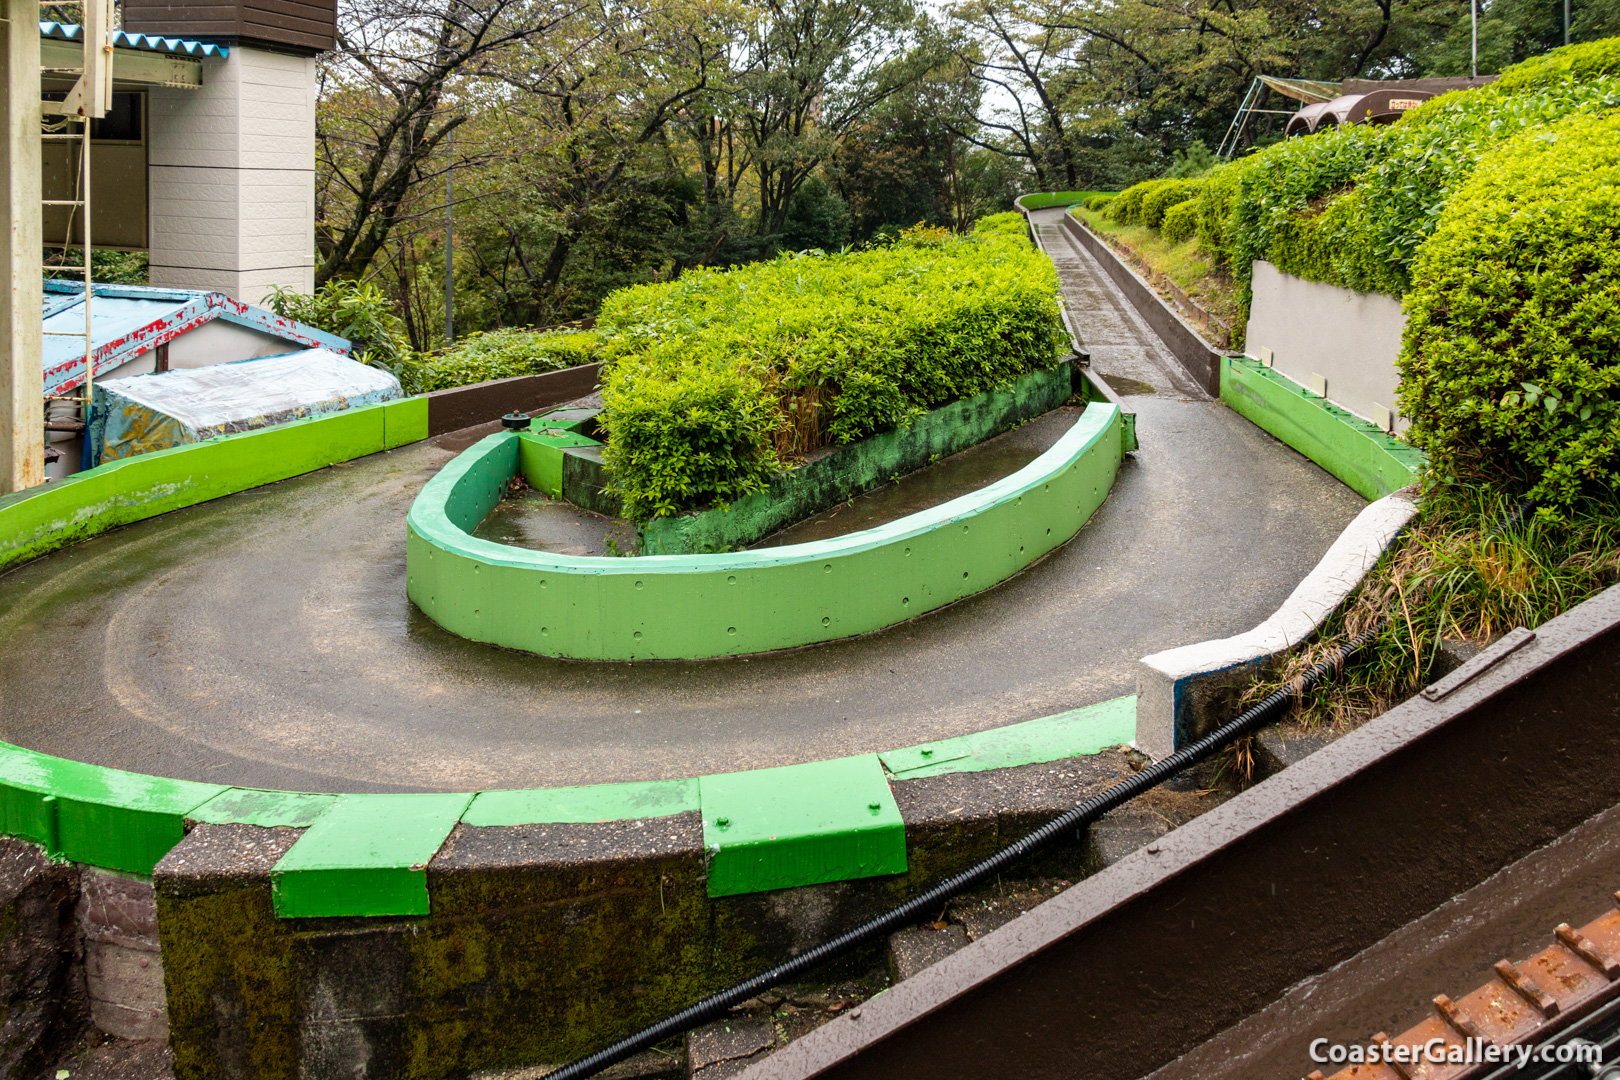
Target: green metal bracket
[[366, 855], [801, 825]]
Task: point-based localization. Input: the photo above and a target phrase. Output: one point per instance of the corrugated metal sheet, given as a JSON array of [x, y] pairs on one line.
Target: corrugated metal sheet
[[142, 42], [154, 412], [127, 320]]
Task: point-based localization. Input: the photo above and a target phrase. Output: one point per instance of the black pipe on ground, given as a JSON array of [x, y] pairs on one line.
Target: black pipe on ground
[[927, 903]]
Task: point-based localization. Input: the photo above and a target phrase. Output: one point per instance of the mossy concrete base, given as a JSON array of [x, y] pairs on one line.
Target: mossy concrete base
[[545, 940]]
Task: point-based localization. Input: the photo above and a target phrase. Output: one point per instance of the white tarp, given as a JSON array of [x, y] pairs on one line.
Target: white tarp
[[152, 412]]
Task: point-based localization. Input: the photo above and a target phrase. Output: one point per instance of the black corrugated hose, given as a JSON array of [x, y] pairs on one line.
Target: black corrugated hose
[[927, 904]]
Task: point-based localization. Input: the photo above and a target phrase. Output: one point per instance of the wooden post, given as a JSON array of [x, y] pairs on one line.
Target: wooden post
[[22, 388]]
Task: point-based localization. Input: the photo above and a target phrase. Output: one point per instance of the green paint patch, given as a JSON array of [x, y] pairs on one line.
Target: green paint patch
[[1077, 733], [1372, 462], [366, 855], [583, 805], [90, 814], [268, 809], [801, 825]]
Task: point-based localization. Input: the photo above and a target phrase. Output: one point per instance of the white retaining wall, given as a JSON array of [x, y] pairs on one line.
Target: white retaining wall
[[232, 174], [1316, 331]]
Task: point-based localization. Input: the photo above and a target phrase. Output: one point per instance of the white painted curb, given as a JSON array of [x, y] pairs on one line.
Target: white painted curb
[[1166, 681]]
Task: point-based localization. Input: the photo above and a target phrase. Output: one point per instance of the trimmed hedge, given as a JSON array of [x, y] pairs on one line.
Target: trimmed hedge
[[1158, 201], [1511, 360], [713, 382], [503, 354], [1180, 221], [1127, 206], [1097, 202]]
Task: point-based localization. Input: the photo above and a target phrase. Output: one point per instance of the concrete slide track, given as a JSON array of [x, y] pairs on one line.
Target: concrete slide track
[[265, 639]]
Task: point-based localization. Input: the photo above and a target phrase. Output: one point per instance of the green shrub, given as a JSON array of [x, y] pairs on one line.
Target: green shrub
[[1180, 221], [363, 314], [1351, 206], [1163, 197], [1217, 200], [1127, 208], [1573, 63], [716, 380], [1099, 202], [503, 354], [1511, 359], [1286, 185]]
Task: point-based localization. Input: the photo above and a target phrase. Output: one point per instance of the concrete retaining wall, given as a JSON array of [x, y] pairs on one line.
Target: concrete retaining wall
[[1313, 333]]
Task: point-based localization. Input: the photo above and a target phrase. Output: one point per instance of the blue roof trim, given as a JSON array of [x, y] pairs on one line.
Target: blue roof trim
[[141, 42]]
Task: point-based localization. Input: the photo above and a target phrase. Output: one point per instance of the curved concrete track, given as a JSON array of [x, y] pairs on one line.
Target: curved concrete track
[[265, 639]]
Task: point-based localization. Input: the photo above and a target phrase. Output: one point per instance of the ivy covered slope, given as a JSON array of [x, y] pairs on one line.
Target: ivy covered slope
[[716, 381], [1351, 206]]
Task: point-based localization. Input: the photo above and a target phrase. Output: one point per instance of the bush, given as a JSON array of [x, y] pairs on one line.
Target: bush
[[714, 381], [1127, 207], [1099, 202], [1511, 360], [365, 316], [1163, 197], [503, 354], [1351, 206], [1216, 201], [1180, 221], [1574, 63]]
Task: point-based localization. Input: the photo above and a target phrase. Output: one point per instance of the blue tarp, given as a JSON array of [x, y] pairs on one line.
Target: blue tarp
[[153, 412]]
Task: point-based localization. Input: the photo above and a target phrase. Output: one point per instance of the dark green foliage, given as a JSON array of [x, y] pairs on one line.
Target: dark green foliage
[[503, 354], [817, 218], [1163, 197], [715, 380], [1180, 221], [1285, 186], [1195, 162], [1351, 206], [361, 313], [1511, 364], [106, 267]]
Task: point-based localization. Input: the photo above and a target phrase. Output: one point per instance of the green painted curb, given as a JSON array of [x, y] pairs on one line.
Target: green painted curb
[[540, 457], [54, 515], [1371, 462], [365, 855], [1076, 733], [697, 606], [368, 851], [1042, 200], [90, 814], [801, 825]]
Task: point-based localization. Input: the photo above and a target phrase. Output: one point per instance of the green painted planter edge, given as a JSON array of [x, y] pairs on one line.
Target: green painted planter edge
[[1371, 462], [738, 603]]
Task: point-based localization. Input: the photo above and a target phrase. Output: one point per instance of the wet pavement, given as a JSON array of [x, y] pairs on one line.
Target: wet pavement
[[265, 639]]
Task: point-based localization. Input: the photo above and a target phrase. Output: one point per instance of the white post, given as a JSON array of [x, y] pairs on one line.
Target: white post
[[1473, 33], [22, 387]]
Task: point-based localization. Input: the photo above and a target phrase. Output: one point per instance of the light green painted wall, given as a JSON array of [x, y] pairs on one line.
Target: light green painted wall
[[694, 606], [1371, 462], [54, 515]]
